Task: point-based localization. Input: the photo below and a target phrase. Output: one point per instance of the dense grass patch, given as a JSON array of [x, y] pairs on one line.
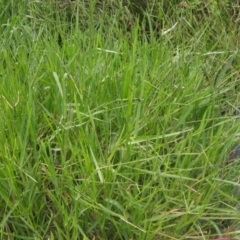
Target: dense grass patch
[[116, 124]]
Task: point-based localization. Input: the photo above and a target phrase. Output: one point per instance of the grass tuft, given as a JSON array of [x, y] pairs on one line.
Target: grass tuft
[[117, 119]]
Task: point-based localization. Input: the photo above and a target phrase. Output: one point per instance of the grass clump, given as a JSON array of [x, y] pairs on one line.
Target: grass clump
[[117, 131]]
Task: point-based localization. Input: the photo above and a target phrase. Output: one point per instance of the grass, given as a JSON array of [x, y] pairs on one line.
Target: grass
[[117, 133]]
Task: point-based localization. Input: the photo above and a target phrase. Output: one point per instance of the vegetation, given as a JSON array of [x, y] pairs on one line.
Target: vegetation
[[117, 119]]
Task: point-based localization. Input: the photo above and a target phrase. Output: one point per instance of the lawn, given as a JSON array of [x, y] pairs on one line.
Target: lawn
[[117, 122]]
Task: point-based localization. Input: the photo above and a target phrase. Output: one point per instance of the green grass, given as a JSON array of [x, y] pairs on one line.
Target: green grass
[[117, 133]]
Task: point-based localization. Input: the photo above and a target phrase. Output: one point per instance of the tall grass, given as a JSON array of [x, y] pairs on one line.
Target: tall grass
[[116, 132]]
